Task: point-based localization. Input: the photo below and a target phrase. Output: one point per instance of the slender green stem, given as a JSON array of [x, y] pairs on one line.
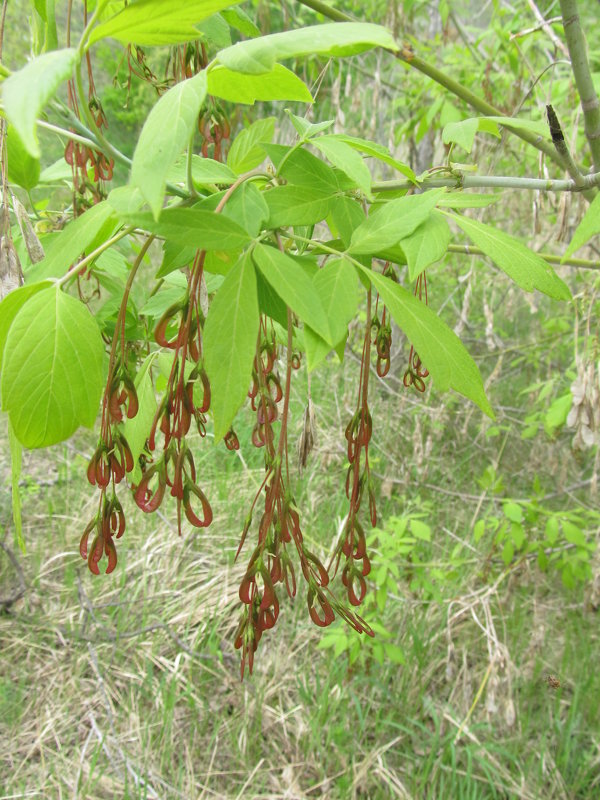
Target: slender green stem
[[66, 133], [407, 54], [94, 254], [583, 77], [494, 182]]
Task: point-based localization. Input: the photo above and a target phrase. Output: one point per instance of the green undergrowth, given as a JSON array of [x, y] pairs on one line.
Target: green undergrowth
[[481, 682]]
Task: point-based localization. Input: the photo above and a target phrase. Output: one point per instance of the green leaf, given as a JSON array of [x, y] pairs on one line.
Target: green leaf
[[296, 205], [394, 653], [248, 208], [81, 235], [558, 412], [246, 152], [346, 215], [238, 19], [229, 342], [149, 22], [205, 172], [426, 245], [377, 151], [587, 228], [461, 133], [508, 552], [137, 429], [125, 199], [420, 530], [552, 530], [394, 221], [278, 84], [344, 157], [305, 129], [517, 534], [16, 461], [465, 200], [23, 169], [439, 348], [573, 534], [295, 288], [524, 267], [513, 512], [166, 132], [336, 284], [11, 305], [301, 168], [256, 56], [194, 227], [27, 91], [52, 376], [478, 530]]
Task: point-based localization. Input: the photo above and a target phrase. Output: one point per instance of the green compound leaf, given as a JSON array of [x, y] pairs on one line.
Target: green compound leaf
[[296, 289], [439, 348], [524, 267], [150, 22], [166, 132], [229, 343], [52, 376], [278, 84], [394, 221], [193, 227], [334, 39], [27, 91]]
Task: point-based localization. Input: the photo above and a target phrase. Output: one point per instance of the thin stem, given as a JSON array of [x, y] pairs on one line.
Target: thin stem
[[583, 77], [76, 268]]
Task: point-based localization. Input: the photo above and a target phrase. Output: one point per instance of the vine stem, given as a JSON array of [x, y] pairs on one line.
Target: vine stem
[[409, 57], [583, 78]]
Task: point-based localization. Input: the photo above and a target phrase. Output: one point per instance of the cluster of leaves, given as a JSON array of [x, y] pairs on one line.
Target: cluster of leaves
[[250, 278]]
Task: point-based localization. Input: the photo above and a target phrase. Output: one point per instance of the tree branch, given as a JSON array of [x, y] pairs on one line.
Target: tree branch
[[494, 182], [583, 78], [409, 57]]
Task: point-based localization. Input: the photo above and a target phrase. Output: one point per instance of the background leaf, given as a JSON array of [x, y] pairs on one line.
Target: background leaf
[[246, 152], [426, 244], [193, 227], [587, 228]]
